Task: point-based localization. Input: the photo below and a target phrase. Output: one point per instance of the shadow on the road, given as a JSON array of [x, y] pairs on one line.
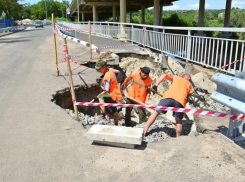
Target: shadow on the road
[[13, 40], [223, 131], [137, 147]]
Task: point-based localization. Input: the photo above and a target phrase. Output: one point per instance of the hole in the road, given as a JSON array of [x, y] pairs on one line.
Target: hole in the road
[[162, 128]]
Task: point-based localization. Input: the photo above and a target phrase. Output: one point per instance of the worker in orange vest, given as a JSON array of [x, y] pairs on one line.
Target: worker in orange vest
[[176, 96], [112, 92], [139, 91]]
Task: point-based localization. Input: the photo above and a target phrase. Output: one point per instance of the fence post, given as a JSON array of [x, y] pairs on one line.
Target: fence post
[[132, 32], [90, 41], [163, 39], [70, 78], [55, 49], [189, 47]]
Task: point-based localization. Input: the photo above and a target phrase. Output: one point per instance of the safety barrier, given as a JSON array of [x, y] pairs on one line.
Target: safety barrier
[[10, 29], [230, 92]]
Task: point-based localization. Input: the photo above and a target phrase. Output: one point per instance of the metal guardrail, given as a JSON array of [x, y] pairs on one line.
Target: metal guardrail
[[230, 92], [11, 29], [207, 51]]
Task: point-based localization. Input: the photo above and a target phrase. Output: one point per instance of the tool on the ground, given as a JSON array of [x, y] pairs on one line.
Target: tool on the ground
[[201, 90], [155, 92], [89, 109]]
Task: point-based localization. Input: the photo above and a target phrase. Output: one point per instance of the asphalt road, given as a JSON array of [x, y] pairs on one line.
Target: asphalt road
[[39, 141]]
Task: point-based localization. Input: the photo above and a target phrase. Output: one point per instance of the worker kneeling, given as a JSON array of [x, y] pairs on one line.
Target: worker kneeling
[[138, 92], [112, 92], [176, 96]]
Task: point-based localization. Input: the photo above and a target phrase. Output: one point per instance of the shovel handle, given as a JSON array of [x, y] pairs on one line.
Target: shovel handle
[[97, 96], [156, 92]]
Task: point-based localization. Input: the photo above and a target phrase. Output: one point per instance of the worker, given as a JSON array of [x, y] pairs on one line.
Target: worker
[[176, 96], [138, 91], [112, 92]]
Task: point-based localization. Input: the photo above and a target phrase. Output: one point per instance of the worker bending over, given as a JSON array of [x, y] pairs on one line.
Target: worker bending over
[[112, 92], [139, 91], [176, 96]]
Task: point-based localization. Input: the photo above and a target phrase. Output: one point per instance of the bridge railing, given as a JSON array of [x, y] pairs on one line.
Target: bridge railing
[[207, 51]]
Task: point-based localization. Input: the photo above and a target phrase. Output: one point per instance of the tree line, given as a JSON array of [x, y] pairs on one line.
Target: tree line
[[15, 10]]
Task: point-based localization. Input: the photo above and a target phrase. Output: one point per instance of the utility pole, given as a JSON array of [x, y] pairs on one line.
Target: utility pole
[[66, 10]]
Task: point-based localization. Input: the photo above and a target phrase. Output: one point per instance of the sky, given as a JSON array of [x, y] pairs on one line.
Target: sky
[[185, 4], [209, 4]]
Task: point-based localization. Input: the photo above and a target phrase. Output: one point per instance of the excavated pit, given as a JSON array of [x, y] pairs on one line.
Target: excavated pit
[[164, 126]]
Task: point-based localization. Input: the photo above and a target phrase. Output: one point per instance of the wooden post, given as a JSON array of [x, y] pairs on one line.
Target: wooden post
[[55, 49], [90, 41], [70, 78]]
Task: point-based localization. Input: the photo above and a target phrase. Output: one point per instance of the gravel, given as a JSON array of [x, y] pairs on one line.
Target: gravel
[[161, 129]]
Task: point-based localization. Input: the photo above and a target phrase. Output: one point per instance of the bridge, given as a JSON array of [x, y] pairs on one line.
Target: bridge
[[97, 10]]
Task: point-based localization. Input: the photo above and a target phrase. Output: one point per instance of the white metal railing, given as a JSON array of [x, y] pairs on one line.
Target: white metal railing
[[208, 51]]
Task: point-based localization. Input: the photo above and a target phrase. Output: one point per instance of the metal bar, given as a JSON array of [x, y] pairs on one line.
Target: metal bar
[[163, 39], [195, 58], [199, 47], [209, 51], [226, 47], [203, 41], [205, 54], [216, 60], [221, 53], [242, 51], [230, 56], [236, 57], [213, 52], [132, 41], [193, 47]]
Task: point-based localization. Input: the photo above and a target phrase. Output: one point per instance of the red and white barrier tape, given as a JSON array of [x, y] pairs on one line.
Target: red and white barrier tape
[[230, 64], [63, 61], [164, 108], [57, 33]]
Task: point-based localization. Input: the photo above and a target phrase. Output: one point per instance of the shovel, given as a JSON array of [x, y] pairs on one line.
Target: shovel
[[156, 92], [89, 108]]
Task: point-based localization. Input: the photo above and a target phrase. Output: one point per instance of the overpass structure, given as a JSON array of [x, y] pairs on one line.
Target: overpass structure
[[97, 10]]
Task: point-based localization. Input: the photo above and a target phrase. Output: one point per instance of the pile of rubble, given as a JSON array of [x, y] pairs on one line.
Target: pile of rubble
[[161, 129]]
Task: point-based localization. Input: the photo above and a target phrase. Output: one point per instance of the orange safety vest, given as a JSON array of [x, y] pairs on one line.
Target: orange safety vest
[[114, 91], [179, 90], [139, 87]]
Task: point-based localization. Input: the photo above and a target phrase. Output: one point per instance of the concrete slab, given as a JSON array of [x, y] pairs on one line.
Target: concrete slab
[[115, 135]]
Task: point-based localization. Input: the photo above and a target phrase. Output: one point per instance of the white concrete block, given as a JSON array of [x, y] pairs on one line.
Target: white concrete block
[[115, 134]]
